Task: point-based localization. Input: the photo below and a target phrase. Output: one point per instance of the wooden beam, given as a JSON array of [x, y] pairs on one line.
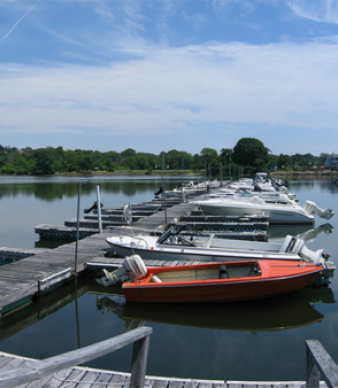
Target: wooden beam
[[139, 362], [36, 370], [319, 361]]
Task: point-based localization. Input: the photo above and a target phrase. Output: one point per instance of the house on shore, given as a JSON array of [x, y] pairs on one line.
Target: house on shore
[[331, 161]]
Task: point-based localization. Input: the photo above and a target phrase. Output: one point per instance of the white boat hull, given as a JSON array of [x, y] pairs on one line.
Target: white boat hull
[[148, 249], [277, 213]]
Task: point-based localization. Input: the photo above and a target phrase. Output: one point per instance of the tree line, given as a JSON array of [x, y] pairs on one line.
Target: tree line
[[248, 156]]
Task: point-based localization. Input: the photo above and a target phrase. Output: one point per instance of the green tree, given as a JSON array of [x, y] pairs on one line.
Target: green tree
[[322, 157], [128, 152], [44, 162], [250, 152], [226, 155], [86, 163], [284, 161], [210, 160]]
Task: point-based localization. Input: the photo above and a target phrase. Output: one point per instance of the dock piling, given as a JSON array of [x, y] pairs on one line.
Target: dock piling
[[99, 208], [320, 362]]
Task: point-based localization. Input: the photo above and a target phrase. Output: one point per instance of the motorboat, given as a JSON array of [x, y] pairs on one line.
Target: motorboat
[[176, 244], [260, 184], [192, 188], [212, 282], [245, 204], [267, 196]]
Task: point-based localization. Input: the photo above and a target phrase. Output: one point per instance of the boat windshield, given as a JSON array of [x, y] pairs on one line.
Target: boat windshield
[[179, 235]]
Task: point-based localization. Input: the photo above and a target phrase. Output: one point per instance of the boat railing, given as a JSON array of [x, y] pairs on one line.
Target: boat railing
[[320, 362], [38, 370]]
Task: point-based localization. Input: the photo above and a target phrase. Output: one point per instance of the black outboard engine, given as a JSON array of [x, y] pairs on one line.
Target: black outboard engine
[[93, 207], [162, 189]]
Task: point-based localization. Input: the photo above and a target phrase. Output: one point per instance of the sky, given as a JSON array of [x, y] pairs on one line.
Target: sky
[[158, 75]]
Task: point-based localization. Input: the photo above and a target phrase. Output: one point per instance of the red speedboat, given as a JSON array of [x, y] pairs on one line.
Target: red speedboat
[[221, 282]]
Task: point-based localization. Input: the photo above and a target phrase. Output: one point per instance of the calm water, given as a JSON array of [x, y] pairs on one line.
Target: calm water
[[252, 341]]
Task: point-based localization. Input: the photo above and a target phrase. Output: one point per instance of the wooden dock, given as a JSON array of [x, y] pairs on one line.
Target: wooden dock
[[96, 378], [56, 371], [41, 270]]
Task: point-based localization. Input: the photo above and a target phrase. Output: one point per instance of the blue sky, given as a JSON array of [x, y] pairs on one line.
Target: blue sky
[[158, 75]]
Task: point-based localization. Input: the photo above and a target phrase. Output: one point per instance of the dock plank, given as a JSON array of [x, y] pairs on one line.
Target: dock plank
[[70, 377]]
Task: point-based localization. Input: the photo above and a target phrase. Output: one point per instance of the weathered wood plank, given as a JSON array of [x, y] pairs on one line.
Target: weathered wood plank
[[32, 371], [193, 384], [88, 378], [205, 385], [160, 384], [103, 380], [65, 377], [318, 360], [176, 384], [139, 362]]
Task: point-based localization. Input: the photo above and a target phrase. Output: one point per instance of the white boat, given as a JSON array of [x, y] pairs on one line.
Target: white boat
[[267, 196], [174, 245], [261, 185], [192, 188], [243, 205]]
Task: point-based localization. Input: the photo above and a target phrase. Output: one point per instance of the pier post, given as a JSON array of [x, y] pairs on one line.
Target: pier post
[[99, 208], [77, 228], [139, 362], [318, 362]]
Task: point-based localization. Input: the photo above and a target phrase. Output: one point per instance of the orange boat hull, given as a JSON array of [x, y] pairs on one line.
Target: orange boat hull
[[275, 279]]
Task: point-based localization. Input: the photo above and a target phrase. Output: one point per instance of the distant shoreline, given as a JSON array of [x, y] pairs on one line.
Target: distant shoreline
[[174, 173]]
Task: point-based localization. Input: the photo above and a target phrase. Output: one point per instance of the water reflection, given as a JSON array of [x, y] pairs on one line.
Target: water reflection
[[268, 315], [50, 189], [306, 232], [18, 321]]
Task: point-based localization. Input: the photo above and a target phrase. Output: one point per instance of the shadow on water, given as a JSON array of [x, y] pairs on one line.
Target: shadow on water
[[274, 314], [49, 304]]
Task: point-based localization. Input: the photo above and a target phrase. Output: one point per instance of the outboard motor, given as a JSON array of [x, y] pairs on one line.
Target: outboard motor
[[296, 245], [94, 207], [162, 189], [133, 268], [312, 209]]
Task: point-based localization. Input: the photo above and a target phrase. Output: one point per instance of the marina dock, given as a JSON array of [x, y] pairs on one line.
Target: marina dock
[[33, 273], [24, 280]]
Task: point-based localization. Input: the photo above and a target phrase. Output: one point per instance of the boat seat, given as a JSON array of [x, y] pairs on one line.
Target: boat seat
[[223, 273]]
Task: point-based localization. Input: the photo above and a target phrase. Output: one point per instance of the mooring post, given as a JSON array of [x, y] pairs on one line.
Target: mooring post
[[99, 208], [139, 362], [165, 208], [221, 175], [312, 370], [318, 362], [77, 228]]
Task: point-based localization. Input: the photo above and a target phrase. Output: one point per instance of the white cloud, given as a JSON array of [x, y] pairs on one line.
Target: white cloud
[[324, 11], [174, 90], [245, 6]]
